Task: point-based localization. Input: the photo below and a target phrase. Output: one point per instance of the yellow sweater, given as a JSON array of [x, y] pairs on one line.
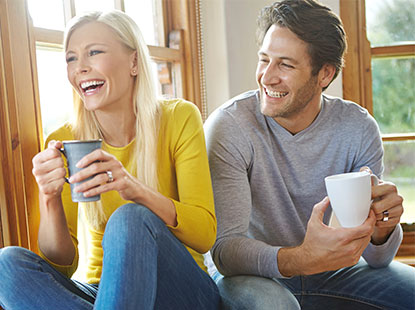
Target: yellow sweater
[[184, 177]]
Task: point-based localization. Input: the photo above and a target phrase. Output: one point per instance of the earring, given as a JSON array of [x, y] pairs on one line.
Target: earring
[[134, 72]]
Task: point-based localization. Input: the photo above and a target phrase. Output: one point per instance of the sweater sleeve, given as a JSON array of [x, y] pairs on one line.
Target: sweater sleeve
[[196, 219], [230, 156], [370, 154], [70, 208]]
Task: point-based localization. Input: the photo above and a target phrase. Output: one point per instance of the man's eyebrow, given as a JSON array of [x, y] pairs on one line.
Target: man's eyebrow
[[260, 53]]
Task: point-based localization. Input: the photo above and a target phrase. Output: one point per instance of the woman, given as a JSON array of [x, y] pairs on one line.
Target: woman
[[156, 212]]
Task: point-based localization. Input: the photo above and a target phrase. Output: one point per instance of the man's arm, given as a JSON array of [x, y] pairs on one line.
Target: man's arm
[[230, 156]]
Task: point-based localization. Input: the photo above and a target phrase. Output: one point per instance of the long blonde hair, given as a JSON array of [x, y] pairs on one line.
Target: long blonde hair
[[146, 105]]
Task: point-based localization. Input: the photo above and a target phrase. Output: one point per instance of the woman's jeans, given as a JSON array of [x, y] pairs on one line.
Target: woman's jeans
[[144, 267], [359, 287]]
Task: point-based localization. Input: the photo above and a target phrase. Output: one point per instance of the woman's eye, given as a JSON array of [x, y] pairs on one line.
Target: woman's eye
[[70, 59], [94, 52]]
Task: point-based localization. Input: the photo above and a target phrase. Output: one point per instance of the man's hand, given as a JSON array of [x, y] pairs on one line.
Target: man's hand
[[386, 201], [387, 205], [326, 248]]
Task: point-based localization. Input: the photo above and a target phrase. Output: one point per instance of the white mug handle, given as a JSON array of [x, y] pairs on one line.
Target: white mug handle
[[374, 179]]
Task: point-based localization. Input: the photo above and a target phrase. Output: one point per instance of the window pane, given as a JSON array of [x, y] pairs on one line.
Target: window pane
[[47, 14], [394, 94], [168, 79], [93, 5], [400, 169], [390, 22], [54, 89], [143, 14]]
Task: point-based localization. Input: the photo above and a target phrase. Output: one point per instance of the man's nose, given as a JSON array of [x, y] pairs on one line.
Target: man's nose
[[271, 74]]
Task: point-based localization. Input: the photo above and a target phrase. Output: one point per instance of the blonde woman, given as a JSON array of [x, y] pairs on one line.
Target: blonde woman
[[156, 214]]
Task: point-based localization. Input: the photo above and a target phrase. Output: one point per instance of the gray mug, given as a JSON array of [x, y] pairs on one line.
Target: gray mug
[[74, 151]]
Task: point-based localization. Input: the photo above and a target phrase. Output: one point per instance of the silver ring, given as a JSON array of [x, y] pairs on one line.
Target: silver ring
[[385, 217], [110, 177]]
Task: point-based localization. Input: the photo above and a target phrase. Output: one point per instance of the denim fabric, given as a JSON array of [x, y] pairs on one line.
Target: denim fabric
[[29, 282], [144, 267], [359, 287]]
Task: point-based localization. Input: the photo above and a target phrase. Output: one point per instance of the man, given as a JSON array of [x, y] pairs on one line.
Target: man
[[269, 152]]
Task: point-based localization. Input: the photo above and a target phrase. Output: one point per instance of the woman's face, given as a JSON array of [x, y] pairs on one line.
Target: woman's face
[[100, 68]]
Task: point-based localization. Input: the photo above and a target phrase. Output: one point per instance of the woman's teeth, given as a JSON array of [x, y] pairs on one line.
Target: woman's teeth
[[91, 84]]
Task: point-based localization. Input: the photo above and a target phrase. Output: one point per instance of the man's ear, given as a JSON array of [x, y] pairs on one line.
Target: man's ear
[[326, 74], [133, 61]]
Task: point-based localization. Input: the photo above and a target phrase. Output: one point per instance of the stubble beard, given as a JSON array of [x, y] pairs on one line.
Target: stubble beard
[[297, 104]]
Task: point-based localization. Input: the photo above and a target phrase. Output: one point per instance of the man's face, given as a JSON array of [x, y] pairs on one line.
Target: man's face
[[284, 75]]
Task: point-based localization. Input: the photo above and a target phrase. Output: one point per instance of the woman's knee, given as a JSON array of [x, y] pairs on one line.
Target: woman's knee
[[133, 218], [15, 259]]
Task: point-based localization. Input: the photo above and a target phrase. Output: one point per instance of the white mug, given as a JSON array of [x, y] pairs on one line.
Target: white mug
[[350, 196]]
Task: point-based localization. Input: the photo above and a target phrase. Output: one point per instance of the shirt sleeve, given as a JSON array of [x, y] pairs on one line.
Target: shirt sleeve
[[70, 208], [370, 154], [230, 156], [196, 219]]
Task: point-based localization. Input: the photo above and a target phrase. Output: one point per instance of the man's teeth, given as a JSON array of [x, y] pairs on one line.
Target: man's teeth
[[276, 94], [85, 85]]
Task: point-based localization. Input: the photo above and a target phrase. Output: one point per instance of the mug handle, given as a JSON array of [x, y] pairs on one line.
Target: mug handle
[[374, 179], [62, 151]]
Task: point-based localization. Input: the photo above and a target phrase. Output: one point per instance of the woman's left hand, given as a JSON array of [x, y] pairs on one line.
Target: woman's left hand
[[102, 165]]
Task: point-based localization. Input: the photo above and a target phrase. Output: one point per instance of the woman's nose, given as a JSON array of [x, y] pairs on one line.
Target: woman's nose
[[82, 66]]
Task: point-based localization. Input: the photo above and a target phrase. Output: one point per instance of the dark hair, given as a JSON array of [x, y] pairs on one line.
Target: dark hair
[[313, 23]]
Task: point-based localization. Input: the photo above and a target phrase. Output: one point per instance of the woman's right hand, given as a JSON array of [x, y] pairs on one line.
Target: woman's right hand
[[49, 170]]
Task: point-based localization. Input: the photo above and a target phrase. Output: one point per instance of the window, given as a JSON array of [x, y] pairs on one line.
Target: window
[[30, 44], [380, 75], [54, 89]]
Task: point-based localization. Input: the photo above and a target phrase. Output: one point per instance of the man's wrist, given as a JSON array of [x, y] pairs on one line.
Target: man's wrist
[[290, 262], [381, 235]]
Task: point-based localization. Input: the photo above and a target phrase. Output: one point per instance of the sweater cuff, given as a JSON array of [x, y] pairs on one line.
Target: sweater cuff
[[269, 263], [378, 256]]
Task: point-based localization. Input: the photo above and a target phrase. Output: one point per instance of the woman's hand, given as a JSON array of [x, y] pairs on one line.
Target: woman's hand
[[49, 170], [97, 164]]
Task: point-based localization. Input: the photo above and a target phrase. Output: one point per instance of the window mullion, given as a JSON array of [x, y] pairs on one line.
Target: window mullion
[[68, 9], [119, 5]]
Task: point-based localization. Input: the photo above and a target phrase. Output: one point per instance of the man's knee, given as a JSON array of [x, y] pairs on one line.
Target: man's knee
[[251, 292]]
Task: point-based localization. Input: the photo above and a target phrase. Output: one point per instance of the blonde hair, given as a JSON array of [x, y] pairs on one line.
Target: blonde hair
[[146, 105]]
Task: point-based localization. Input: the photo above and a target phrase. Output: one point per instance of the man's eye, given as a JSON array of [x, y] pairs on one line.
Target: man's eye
[[287, 65], [263, 60], [94, 52]]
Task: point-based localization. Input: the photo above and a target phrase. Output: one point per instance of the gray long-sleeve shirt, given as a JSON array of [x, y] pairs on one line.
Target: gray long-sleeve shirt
[[266, 180]]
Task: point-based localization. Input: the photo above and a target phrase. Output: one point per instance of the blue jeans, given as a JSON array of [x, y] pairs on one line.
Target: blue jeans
[[144, 267], [359, 287]]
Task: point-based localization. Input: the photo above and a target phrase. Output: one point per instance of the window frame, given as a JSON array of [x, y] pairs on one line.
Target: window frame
[[357, 74], [357, 86], [20, 120]]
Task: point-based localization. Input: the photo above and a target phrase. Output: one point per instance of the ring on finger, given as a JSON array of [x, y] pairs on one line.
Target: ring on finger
[[110, 177], [385, 216]]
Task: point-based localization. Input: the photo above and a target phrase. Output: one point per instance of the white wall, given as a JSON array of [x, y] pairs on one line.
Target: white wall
[[230, 49]]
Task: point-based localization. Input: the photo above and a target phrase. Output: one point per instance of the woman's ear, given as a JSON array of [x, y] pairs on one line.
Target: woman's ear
[[326, 74], [134, 67]]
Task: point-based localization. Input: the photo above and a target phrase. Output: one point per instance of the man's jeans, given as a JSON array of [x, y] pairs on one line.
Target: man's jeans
[[144, 267], [353, 288]]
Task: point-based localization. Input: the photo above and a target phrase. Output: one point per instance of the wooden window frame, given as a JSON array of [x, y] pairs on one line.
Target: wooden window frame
[[357, 85], [20, 120], [357, 73]]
